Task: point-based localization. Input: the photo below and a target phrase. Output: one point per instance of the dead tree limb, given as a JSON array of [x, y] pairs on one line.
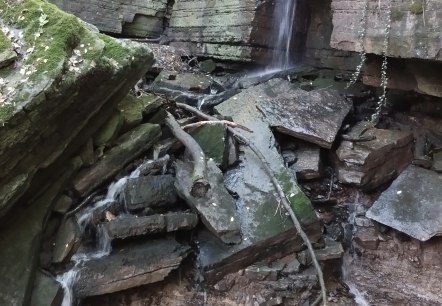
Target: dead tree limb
[[226, 122], [200, 184], [284, 200], [82, 204]]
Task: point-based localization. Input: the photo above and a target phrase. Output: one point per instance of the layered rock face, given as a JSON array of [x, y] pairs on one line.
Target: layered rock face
[[415, 27], [132, 18], [414, 37], [229, 30], [58, 93]]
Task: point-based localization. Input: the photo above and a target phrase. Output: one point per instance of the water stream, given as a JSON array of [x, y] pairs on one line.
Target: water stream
[[103, 246], [283, 23], [347, 261]]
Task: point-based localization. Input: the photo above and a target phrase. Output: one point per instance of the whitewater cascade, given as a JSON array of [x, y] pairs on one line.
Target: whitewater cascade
[[283, 25]]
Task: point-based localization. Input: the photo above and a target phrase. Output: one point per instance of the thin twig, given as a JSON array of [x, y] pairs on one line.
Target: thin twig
[[82, 204], [284, 200]]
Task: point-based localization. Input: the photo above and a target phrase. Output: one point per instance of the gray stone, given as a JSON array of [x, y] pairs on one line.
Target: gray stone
[[72, 94], [212, 139], [288, 264], [134, 18], [129, 146], [67, 241], [207, 66], [130, 226], [332, 250], [314, 116], [109, 130], [133, 266], [411, 204], [20, 238], [260, 272], [308, 164], [87, 154], [437, 161], [133, 108], [363, 222], [63, 204], [169, 82], [217, 209], [149, 192], [368, 238], [369, 164], [46, 291]]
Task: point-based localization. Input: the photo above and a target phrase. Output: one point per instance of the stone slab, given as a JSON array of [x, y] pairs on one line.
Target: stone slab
[[133, 266], [130, 226], [149, 192], [412, 204], [308, 164], [369, 164], [46, 291], [217, 209], [314, 116]]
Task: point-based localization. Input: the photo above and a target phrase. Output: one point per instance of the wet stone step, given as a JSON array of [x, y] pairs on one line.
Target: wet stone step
[[129, 226], [133, 266], [149, 192]]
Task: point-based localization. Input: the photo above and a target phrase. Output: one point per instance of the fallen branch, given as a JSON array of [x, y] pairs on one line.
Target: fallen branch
[[200, 184], [154, 166], [284, 200], [211, 122]]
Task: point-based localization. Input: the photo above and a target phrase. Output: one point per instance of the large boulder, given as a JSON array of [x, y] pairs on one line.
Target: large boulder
[[64, 85], [132, 18]]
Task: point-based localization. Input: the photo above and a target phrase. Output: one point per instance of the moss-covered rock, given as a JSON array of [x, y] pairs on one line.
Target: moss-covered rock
[[64, 86], [133, 108]]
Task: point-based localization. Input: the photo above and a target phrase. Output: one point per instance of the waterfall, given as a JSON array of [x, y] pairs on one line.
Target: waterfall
[[103, 248], [283, 25]]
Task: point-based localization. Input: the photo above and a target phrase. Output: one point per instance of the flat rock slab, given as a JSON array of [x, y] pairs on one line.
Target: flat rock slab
[[369, 164], [149, 192], [67, 241], [437, 161], [130, 226], [133, 266], [217, 209], [169, 81], [412, 204], [332, 250], [266, 230], [314, 116], [308, 164], [129, 146]]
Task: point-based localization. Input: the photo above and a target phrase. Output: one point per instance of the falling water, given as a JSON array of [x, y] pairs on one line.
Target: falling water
[[84, 218], [283, 19], [348, 259]]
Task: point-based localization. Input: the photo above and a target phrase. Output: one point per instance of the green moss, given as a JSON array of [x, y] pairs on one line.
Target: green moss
[[5, 43], [417, 8], [299, 201], [114, 49], [397, 15]]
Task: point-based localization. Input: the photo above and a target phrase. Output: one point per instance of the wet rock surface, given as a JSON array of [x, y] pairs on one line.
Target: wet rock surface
[[411, 204], [149, 192], [217, 209], [130, 267], [132, 226]]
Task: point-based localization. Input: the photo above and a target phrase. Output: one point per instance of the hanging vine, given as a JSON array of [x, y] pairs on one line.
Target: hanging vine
[[384, 78], [361, 37]]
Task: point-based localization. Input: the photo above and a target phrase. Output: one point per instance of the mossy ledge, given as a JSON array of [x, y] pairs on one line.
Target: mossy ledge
[[54, 42]]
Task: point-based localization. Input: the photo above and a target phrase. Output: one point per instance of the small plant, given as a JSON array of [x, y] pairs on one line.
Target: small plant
[[397, 15], [417, 8]]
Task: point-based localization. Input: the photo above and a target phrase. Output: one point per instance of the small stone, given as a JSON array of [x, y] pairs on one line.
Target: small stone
[[367, 238], [63, 204]]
